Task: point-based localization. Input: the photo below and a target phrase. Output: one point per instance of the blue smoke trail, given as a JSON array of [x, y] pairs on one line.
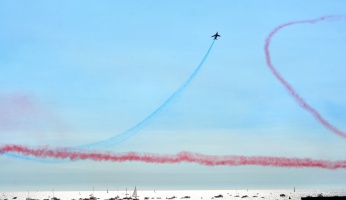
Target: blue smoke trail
[[139, 126]]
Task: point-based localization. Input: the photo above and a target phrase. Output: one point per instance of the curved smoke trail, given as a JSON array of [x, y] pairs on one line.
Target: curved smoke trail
[[182, 157], [289, 88], [136, 128]]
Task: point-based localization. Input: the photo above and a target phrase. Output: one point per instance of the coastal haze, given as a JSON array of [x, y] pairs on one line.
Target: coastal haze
[[85, 78]]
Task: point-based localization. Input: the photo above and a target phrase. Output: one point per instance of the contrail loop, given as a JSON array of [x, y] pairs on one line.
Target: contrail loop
[[302, 103]]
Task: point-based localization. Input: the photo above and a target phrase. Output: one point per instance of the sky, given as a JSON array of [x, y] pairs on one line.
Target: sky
[[75, 73]]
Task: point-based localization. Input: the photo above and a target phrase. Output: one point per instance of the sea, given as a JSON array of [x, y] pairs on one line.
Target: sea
[[174, 194]]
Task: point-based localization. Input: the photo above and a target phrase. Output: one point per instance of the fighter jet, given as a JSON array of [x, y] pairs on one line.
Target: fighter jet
[[216, 35]]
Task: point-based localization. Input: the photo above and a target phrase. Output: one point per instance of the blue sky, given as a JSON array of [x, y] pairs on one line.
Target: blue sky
[[72, 73]]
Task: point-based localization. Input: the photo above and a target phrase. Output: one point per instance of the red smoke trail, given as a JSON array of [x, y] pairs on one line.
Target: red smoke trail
[[20, 111], [290, 89], [187, 157]]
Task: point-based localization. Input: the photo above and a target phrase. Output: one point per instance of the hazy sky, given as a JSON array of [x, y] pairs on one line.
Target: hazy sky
[[76, 72]]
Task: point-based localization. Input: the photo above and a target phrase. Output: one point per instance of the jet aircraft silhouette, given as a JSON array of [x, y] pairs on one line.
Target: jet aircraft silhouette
[[216, 35]]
